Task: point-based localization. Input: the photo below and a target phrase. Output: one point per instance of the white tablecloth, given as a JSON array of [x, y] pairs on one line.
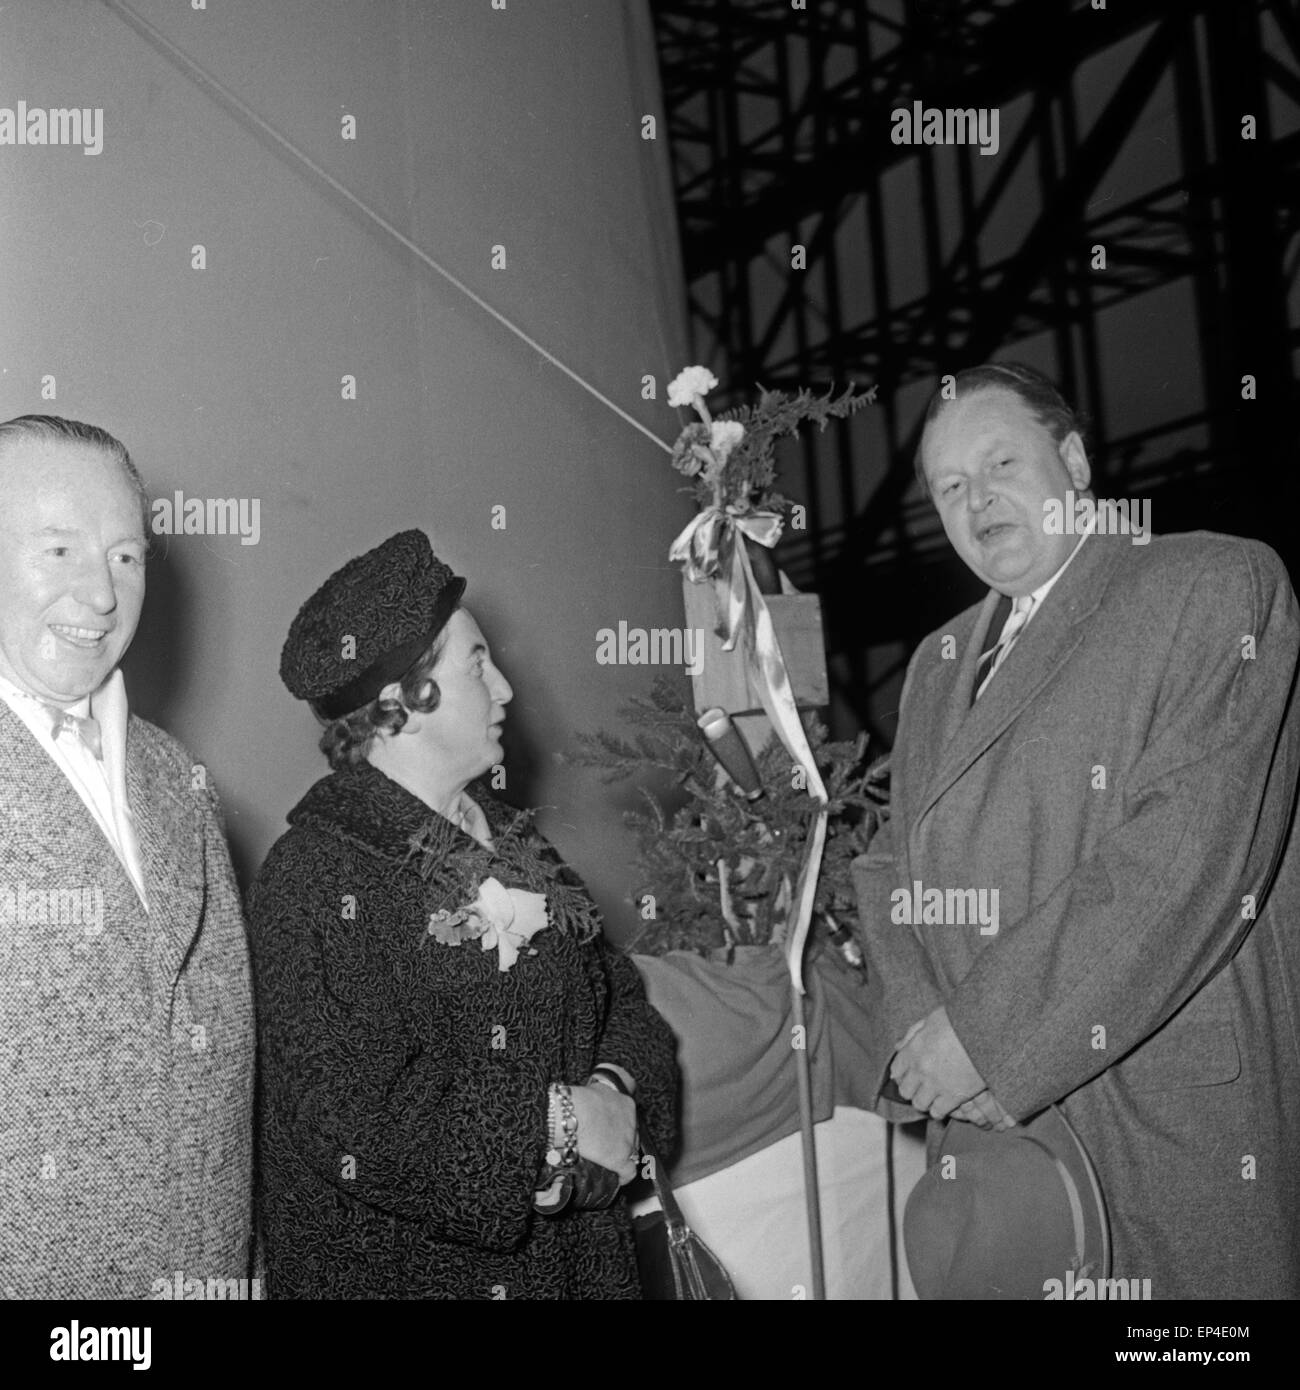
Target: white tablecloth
[[753, 1217]]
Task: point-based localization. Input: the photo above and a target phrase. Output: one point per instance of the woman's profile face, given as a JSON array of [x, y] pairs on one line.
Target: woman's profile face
[[464, 732]]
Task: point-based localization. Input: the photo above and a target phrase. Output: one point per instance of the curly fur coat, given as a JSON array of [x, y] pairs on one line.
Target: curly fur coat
[[403, 1101]]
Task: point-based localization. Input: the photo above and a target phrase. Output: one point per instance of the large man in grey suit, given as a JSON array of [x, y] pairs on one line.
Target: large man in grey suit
[[1118, 758], [126, 1042]]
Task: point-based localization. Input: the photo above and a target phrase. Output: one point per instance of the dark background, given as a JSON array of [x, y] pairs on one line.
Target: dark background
[[1120, 127]]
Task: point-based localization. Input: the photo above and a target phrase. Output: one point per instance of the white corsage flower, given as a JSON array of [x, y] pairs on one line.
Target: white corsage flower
[[510, 918], [689, 383], [724, 435]]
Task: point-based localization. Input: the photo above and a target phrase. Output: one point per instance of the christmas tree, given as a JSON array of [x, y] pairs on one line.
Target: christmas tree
[[717, 870]]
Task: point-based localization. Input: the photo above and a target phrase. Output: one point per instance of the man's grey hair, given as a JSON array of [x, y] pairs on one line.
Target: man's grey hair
[[55, 429]]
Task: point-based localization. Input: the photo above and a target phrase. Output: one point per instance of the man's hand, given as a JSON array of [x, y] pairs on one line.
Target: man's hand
[[931, 1068], [985, 1110]]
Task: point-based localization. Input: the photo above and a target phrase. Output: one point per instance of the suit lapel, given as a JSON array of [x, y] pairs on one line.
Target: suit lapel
[[50, 821], [965, 731], [46, 833], [170, 835], [958, 677]]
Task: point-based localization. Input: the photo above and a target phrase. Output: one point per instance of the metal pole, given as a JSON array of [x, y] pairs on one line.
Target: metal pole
[[812, 1195]]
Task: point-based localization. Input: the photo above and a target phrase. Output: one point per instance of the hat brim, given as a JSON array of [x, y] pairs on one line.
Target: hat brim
[[999, 1214]]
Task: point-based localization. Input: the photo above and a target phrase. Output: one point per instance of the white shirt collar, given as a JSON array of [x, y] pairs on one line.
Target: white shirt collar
[[108, 705], [1040, 593]]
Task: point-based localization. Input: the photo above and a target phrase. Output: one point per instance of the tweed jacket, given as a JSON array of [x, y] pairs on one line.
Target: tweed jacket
[[404, 1081], [126, 1037], [1127, 782]]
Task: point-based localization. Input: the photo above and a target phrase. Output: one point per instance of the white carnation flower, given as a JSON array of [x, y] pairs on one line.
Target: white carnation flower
[[724, 435], [689, 383]]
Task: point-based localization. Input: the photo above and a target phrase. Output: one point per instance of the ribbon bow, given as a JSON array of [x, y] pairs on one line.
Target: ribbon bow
[[699, 547]]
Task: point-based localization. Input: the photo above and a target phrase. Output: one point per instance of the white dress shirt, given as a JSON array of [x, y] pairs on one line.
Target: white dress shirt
[[1041, 592], [1022, 614]]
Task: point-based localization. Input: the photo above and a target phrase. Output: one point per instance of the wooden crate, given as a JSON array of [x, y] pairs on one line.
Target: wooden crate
[[723, 680]]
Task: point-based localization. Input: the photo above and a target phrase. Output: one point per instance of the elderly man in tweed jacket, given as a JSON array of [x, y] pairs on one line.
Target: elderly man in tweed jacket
[[126, 1035], [1116, 753]]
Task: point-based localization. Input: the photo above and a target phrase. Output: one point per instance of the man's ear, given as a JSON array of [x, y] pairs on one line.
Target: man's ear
[[1075, 459]]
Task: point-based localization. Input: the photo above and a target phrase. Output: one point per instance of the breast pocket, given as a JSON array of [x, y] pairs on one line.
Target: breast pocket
[[1183, 1053]]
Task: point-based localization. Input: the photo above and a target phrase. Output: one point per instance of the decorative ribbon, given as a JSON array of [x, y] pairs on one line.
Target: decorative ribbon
[[699, 547], [711, 547]]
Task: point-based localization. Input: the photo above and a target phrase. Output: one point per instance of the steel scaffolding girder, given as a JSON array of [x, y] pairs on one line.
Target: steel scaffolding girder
[[843, 127], [780, 127]]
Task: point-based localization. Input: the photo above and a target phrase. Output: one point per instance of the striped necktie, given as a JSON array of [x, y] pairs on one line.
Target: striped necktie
[[1012, 627]]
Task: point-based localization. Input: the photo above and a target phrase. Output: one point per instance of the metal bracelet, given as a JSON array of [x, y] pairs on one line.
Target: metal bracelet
[[568, 1124]]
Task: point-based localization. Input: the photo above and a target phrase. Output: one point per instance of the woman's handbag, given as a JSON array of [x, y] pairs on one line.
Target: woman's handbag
[[673, 1262]]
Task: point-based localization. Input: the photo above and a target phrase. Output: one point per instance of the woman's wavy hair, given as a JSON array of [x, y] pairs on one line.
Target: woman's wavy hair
[[1038, 392], [347, 740]]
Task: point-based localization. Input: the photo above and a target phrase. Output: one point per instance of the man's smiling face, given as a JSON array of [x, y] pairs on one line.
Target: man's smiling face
[[72, 552], [992, 465]]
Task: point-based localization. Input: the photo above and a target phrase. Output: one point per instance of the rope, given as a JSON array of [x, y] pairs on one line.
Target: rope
[[205, 79]]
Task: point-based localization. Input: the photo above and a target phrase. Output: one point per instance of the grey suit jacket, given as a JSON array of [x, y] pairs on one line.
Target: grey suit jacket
[[1127, 782], [126, 1038]]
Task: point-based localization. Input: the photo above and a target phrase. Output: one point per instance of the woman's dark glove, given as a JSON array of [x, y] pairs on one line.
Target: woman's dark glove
[[583, 1185]]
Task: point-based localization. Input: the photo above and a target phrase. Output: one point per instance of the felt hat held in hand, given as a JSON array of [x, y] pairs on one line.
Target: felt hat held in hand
[[1002, 1214]]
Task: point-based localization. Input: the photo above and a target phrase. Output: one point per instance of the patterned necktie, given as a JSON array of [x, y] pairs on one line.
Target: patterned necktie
[[85, 729], [997, 654]]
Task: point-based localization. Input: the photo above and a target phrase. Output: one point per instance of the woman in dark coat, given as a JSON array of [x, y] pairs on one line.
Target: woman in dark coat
[[434, 990]]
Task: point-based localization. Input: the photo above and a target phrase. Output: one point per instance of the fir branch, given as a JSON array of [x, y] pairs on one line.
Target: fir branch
[[749, 473], [760, 842]]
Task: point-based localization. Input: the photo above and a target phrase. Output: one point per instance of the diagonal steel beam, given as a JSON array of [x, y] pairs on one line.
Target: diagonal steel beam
[[1095, 155]]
